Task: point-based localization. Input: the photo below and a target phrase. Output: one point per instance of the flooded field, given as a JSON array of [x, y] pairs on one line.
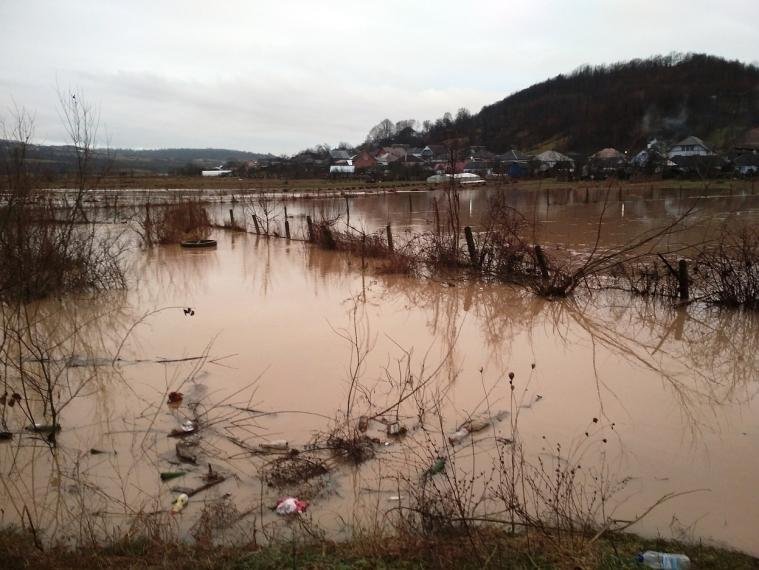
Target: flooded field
[[567, 217], [271, 340]]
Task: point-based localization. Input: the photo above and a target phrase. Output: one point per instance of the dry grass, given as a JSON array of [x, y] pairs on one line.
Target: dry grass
[[496, 550]]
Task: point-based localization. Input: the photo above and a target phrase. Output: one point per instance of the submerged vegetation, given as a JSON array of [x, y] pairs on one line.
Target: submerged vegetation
[[722, 271]]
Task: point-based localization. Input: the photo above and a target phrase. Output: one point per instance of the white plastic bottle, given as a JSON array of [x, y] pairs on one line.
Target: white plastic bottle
[[664, 561]]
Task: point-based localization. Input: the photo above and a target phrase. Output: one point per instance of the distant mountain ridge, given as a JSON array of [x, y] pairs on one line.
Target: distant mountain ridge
[[622, 105]]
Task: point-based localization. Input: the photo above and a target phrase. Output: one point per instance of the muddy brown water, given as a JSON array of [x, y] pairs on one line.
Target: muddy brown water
[[673, 390], [562, 217]]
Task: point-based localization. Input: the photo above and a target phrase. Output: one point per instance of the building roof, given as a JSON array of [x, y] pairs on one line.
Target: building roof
[[692, 141], [437, 148], [339, 154], [608, 154], [552, 156]]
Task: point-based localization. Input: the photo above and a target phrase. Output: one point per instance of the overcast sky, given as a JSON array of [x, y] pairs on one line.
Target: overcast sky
[[279, 76]]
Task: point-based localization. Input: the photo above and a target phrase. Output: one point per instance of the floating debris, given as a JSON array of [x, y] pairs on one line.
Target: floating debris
[[396, 429], [275, 445], [435, 468], [187, 451], [188, 428], [290, 506], [474, 425], [169, 475], [292, 470], [179, 503], [363, 423], [175, 399], [44, 428], [458, 436], [5, 435]]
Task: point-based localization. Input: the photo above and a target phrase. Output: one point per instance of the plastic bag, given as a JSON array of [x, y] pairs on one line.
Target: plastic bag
[[291, 506]]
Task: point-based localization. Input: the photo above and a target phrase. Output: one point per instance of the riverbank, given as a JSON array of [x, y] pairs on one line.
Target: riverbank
[[487, 548]]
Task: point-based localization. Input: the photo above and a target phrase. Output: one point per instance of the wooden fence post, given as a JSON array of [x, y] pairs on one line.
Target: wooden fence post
[[541, 258], [255, 223], [348, 210], [470, 245], [287, 225], [310, 228], [682, 278], [231, 218], [389, 238], [437, 216]]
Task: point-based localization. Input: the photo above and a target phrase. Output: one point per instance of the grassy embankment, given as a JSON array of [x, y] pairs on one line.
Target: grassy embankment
[[494, 550]]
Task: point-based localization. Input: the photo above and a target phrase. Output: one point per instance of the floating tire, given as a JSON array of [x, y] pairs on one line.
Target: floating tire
[[197, 243]]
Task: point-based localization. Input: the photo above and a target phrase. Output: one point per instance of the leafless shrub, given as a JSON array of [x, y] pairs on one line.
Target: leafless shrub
[[728, 272], [265, 212], [46, 247]]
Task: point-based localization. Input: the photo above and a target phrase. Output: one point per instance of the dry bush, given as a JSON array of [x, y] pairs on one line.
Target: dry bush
[[728, 273], [647, 278], [41, 256], [49, 247], [174, 223]]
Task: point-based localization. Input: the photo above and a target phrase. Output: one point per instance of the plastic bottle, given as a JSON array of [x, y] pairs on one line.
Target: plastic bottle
[[179, 503], [663, 560], [458, 436]]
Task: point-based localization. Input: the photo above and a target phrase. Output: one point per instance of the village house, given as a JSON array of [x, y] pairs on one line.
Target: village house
[[551, 159], [364, 160], [338, 154], [514, 163], [435, 152], [605, 161], [747, 164], [690, 146], [748, 143]]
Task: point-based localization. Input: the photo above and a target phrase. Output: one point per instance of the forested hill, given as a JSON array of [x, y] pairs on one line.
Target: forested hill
[[58, 159], [621, 105]]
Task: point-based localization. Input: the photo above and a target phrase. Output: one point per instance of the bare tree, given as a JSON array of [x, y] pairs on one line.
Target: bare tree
[[81, 121]]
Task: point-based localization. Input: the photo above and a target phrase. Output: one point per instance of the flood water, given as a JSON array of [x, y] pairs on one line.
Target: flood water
[[567, 217], [652, 400]]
